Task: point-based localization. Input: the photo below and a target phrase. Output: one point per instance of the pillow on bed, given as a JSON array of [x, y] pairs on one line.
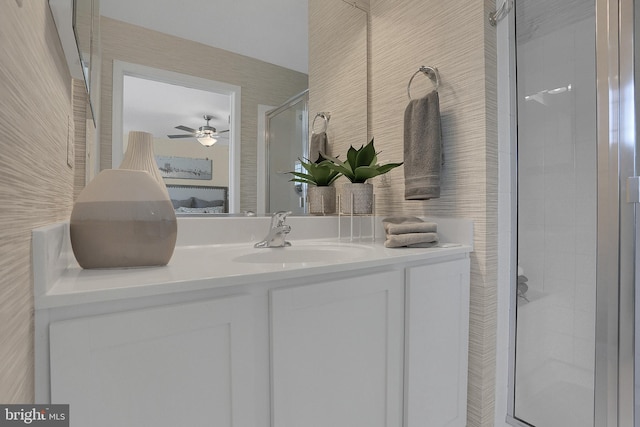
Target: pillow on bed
[[186, 203], [211, 210], [199, 203], [215, 209]]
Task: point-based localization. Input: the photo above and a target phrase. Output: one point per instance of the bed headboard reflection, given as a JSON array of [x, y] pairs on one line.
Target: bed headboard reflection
[[196, 199]]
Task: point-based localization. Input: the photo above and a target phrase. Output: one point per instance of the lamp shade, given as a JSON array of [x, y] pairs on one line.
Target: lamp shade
[[207, 140]]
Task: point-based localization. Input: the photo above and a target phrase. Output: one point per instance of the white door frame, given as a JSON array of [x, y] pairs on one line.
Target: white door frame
[[121, 69]]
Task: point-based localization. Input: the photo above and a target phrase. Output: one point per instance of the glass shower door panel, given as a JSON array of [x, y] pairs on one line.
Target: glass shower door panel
[[557, 205], [287, 144]]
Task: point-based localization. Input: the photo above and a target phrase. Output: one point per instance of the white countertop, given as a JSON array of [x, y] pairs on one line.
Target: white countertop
[[59, 281]]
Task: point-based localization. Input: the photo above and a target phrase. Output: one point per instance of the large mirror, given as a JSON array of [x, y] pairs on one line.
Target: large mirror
[[78, 26], [251, 56]]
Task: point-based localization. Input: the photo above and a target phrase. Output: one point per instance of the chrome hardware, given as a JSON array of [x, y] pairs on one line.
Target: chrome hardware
[[277, 233]]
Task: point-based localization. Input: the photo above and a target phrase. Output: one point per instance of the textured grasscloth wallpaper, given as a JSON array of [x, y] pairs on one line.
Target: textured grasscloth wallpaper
[[36, 185], [455, 37], [81, 113], [261, 83], [338, 72]]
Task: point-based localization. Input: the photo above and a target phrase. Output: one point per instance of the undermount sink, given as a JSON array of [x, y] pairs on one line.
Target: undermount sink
[[317, 253]]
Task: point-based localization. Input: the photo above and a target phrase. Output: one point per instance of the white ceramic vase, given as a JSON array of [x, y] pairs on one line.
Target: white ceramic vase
[[123, 218], [140, 155], [356, 198], [322, 200]]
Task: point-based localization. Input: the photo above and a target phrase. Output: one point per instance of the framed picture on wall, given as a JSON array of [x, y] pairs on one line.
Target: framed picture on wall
[[185, 167]]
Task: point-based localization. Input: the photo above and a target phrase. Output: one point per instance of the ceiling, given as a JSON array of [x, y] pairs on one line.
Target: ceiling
[[275, 31], [157, 108]]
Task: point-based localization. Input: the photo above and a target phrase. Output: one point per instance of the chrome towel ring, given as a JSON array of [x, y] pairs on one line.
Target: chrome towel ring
[[431, 72], [324, 116]]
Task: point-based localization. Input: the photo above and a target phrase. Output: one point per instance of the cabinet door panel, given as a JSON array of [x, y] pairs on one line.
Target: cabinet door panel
[[185, 364], [437, 329], [337, 353]]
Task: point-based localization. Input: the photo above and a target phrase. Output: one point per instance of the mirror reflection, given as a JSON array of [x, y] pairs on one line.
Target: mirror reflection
[[132, 36]]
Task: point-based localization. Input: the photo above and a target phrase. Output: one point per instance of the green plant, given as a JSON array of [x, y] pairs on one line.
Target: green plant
[[319, 174], [361, 164]]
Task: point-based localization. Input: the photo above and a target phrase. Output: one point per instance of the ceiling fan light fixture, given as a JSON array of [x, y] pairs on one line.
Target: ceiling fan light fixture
[[207, 140]]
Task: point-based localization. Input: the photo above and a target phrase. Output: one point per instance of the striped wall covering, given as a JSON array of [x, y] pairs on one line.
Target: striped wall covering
[[455, 37], [80, 116], [338, 72], [36, 185]]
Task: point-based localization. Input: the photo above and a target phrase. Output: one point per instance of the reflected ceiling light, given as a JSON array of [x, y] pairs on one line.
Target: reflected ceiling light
[[207, 140], [206, 135]]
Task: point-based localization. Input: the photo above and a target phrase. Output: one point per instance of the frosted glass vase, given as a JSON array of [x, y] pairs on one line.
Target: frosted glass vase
[[123, 218], [140, 155]]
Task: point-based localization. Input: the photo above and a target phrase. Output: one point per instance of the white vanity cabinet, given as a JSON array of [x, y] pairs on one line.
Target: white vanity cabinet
[[382, 347], [336, 352], [178, 365], [436, 344], [366, 337]]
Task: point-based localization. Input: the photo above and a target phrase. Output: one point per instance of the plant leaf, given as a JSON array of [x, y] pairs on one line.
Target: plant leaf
[[304, 181], [344, 170], [302, 175], [333, 178], [363, 173], [352, 156], [366, 155], [386, 168]]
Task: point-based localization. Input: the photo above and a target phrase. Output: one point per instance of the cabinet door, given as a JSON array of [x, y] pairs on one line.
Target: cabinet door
[[337, 353], [437, 334], [179, 365]]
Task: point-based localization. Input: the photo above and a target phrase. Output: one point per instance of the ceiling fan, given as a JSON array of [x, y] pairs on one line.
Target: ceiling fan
[[206, 135]]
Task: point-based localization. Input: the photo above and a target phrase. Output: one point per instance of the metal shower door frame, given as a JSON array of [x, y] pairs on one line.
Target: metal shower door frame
[[618, 235], [616, 240]]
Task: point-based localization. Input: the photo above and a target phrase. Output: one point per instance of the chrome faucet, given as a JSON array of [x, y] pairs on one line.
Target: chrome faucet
[[277, 233]]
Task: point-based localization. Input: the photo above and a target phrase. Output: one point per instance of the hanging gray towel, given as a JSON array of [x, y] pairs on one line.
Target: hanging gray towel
[[317, 146], [423, 154]]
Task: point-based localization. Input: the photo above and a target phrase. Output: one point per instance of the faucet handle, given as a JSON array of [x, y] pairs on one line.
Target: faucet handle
[[278, 218]]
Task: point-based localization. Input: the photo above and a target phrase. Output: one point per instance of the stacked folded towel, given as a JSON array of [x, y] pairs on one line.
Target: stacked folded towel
[[409, 231]]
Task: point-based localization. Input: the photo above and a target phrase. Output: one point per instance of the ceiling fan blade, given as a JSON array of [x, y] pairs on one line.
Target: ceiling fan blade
[[223, 131], [181, 136], [186, 128]]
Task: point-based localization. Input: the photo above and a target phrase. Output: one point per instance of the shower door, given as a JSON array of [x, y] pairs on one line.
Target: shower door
[[287, 141], [573, 307]]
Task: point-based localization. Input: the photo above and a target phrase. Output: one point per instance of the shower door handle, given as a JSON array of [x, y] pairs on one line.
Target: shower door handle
[[633, 189]]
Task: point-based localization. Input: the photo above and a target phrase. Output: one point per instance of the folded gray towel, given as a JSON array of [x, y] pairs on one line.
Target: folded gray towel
[[401, 219], [415, 227], [412, 240], [410, 225], [423, 154], [317, 146], [407, 224]]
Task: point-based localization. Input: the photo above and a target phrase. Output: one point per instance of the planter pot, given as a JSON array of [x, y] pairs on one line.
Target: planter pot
[[123, 218], [322, 200], [360, 195]]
